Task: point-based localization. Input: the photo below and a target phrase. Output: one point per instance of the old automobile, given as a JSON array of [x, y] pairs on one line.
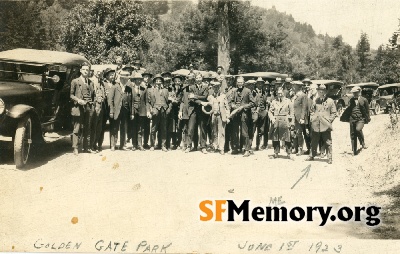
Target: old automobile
[[389, 97], [34, 96], [369, 90]]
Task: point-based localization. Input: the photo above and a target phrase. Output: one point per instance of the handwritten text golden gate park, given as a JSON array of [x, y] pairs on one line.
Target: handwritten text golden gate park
[[105, 246]]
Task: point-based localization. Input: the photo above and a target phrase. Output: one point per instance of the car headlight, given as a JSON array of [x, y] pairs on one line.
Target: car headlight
[[2, 107]]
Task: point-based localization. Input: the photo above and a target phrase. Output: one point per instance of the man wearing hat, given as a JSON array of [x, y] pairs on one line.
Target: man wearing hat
[[357, 113], [138, 109], [183, 114], [107, 83], [100, 108], [261, 109], [281, 117], [228, 129], [82, 94], [172, 113], [197, 93], [241, 101], [167, 79], [145, 121], [157, 106], [300, 107], [120, 102], [219, 116], [323, 112]]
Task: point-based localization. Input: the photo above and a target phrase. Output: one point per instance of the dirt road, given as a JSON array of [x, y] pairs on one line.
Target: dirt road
[[154, 196]]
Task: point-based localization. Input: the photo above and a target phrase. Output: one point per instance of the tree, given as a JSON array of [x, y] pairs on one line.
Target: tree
[[223, 34], [99, 27], [363, 54]]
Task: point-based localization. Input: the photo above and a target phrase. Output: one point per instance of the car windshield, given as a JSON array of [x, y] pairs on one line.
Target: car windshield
[[22, 72], [334, 89], [387, 91]]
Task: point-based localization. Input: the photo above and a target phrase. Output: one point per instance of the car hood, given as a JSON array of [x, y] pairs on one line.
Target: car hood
[[11, 89]]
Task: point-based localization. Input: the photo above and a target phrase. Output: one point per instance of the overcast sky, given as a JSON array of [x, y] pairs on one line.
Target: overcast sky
[[377, 18]]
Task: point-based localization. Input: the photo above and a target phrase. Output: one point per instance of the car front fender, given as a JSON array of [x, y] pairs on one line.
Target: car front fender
[[19, 111]]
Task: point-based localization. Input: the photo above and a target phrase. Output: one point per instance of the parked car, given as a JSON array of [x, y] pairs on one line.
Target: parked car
[[334, 91], [369, 90], [389, 97], [34, 96]]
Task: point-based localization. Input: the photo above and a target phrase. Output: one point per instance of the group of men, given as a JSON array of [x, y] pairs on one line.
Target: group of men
[[209, 113]]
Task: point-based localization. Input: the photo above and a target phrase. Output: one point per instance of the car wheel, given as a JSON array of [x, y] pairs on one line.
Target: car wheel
[[377, 109], [22, 142]]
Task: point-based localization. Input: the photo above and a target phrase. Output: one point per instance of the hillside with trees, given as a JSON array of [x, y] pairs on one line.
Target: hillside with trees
[[169, 35]]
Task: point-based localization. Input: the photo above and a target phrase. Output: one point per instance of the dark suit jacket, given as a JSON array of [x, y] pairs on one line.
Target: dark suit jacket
[[77, 94], [184, 107], [201, 93], [115, 98], [136, 99], [364, 108], [300, 105], [151, 99], [244, 98]]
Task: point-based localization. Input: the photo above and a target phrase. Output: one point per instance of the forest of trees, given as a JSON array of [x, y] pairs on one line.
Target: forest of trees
[[169, 35]]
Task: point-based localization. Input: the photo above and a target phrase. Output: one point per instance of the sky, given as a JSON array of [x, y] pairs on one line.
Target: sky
[[377, 18]]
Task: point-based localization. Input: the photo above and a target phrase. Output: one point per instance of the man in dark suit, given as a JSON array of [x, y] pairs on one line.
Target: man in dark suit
[[197, 93], [137, 110], [157, 106], [183, 114], [147, 83], [120, 102], [241, 102], [323, 112], [83, 95], [300, 107], [357, 113], [261, 109]]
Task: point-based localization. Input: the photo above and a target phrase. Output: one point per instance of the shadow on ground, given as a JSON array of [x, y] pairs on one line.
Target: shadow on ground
[[40, 154], [390, 215]]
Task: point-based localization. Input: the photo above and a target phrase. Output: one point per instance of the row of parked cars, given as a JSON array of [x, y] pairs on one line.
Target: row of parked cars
[[35, 88]]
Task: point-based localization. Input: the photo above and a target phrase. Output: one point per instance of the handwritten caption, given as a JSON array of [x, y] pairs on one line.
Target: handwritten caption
[[106, 246], [289, 246]]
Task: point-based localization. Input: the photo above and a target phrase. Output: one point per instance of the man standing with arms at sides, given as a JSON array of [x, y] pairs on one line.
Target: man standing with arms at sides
[[157, 106], [82, 94], [357, 113], [323, 112], [300, 106], [281, 117], [241, 102], [120, 102], [262, 107], [197, 93], [147, 83], [174, 94], [98, 115], [137, 110], [228, 128], [108, 83]]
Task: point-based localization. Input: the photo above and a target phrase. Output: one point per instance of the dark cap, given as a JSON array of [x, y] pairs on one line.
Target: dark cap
[[158, 76], [106, 71]]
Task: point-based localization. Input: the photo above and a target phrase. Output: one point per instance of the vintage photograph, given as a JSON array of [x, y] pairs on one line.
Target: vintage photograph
[[200, 126]]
